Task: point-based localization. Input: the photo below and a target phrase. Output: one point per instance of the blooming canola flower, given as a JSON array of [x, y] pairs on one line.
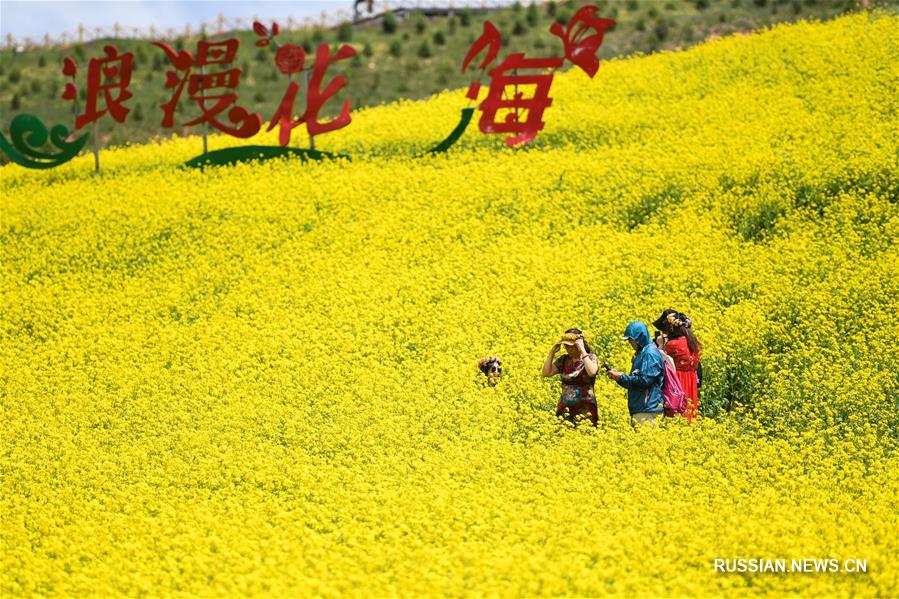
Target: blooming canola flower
[[262, 379]]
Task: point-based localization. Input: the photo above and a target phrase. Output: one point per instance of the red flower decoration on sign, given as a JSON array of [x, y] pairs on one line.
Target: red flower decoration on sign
[[69, 67], [290, 58], [266, 35], [583, 37]]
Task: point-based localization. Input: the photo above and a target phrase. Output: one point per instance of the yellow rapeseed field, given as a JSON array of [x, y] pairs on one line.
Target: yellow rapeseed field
[[261, 380]]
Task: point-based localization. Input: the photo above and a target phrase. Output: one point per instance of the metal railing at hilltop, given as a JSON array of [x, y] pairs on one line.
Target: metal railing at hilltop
[[222, 24]]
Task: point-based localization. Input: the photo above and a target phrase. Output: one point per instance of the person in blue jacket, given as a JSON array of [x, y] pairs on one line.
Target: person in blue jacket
[[644, 383]]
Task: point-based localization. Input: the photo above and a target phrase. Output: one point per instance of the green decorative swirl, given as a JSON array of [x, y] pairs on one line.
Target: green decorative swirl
[[453, 137], [28, 133]]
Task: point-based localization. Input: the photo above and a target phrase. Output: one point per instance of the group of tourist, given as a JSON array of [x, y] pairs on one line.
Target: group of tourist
[[674, 343]]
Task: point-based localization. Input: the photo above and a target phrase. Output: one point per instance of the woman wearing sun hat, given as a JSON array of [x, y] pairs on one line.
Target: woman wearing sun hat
[[577, 368]]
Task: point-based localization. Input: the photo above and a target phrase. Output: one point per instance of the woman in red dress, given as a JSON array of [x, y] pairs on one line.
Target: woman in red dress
[[686, 352]]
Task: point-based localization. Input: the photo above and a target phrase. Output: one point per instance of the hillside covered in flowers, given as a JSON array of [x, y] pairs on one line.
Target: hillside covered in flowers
[[261, 380]]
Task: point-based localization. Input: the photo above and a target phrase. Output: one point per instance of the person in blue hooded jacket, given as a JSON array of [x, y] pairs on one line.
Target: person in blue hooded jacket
[[644, 383]]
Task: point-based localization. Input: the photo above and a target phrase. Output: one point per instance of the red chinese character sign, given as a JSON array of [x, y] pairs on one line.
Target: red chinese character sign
[[500, 112], [108, 79], [109, 76], [210, 83], [505, 108], [291, 59], [204, 83]]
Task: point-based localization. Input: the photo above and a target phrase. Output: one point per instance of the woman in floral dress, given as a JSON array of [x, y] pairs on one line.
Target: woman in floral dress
[[577, 368]]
